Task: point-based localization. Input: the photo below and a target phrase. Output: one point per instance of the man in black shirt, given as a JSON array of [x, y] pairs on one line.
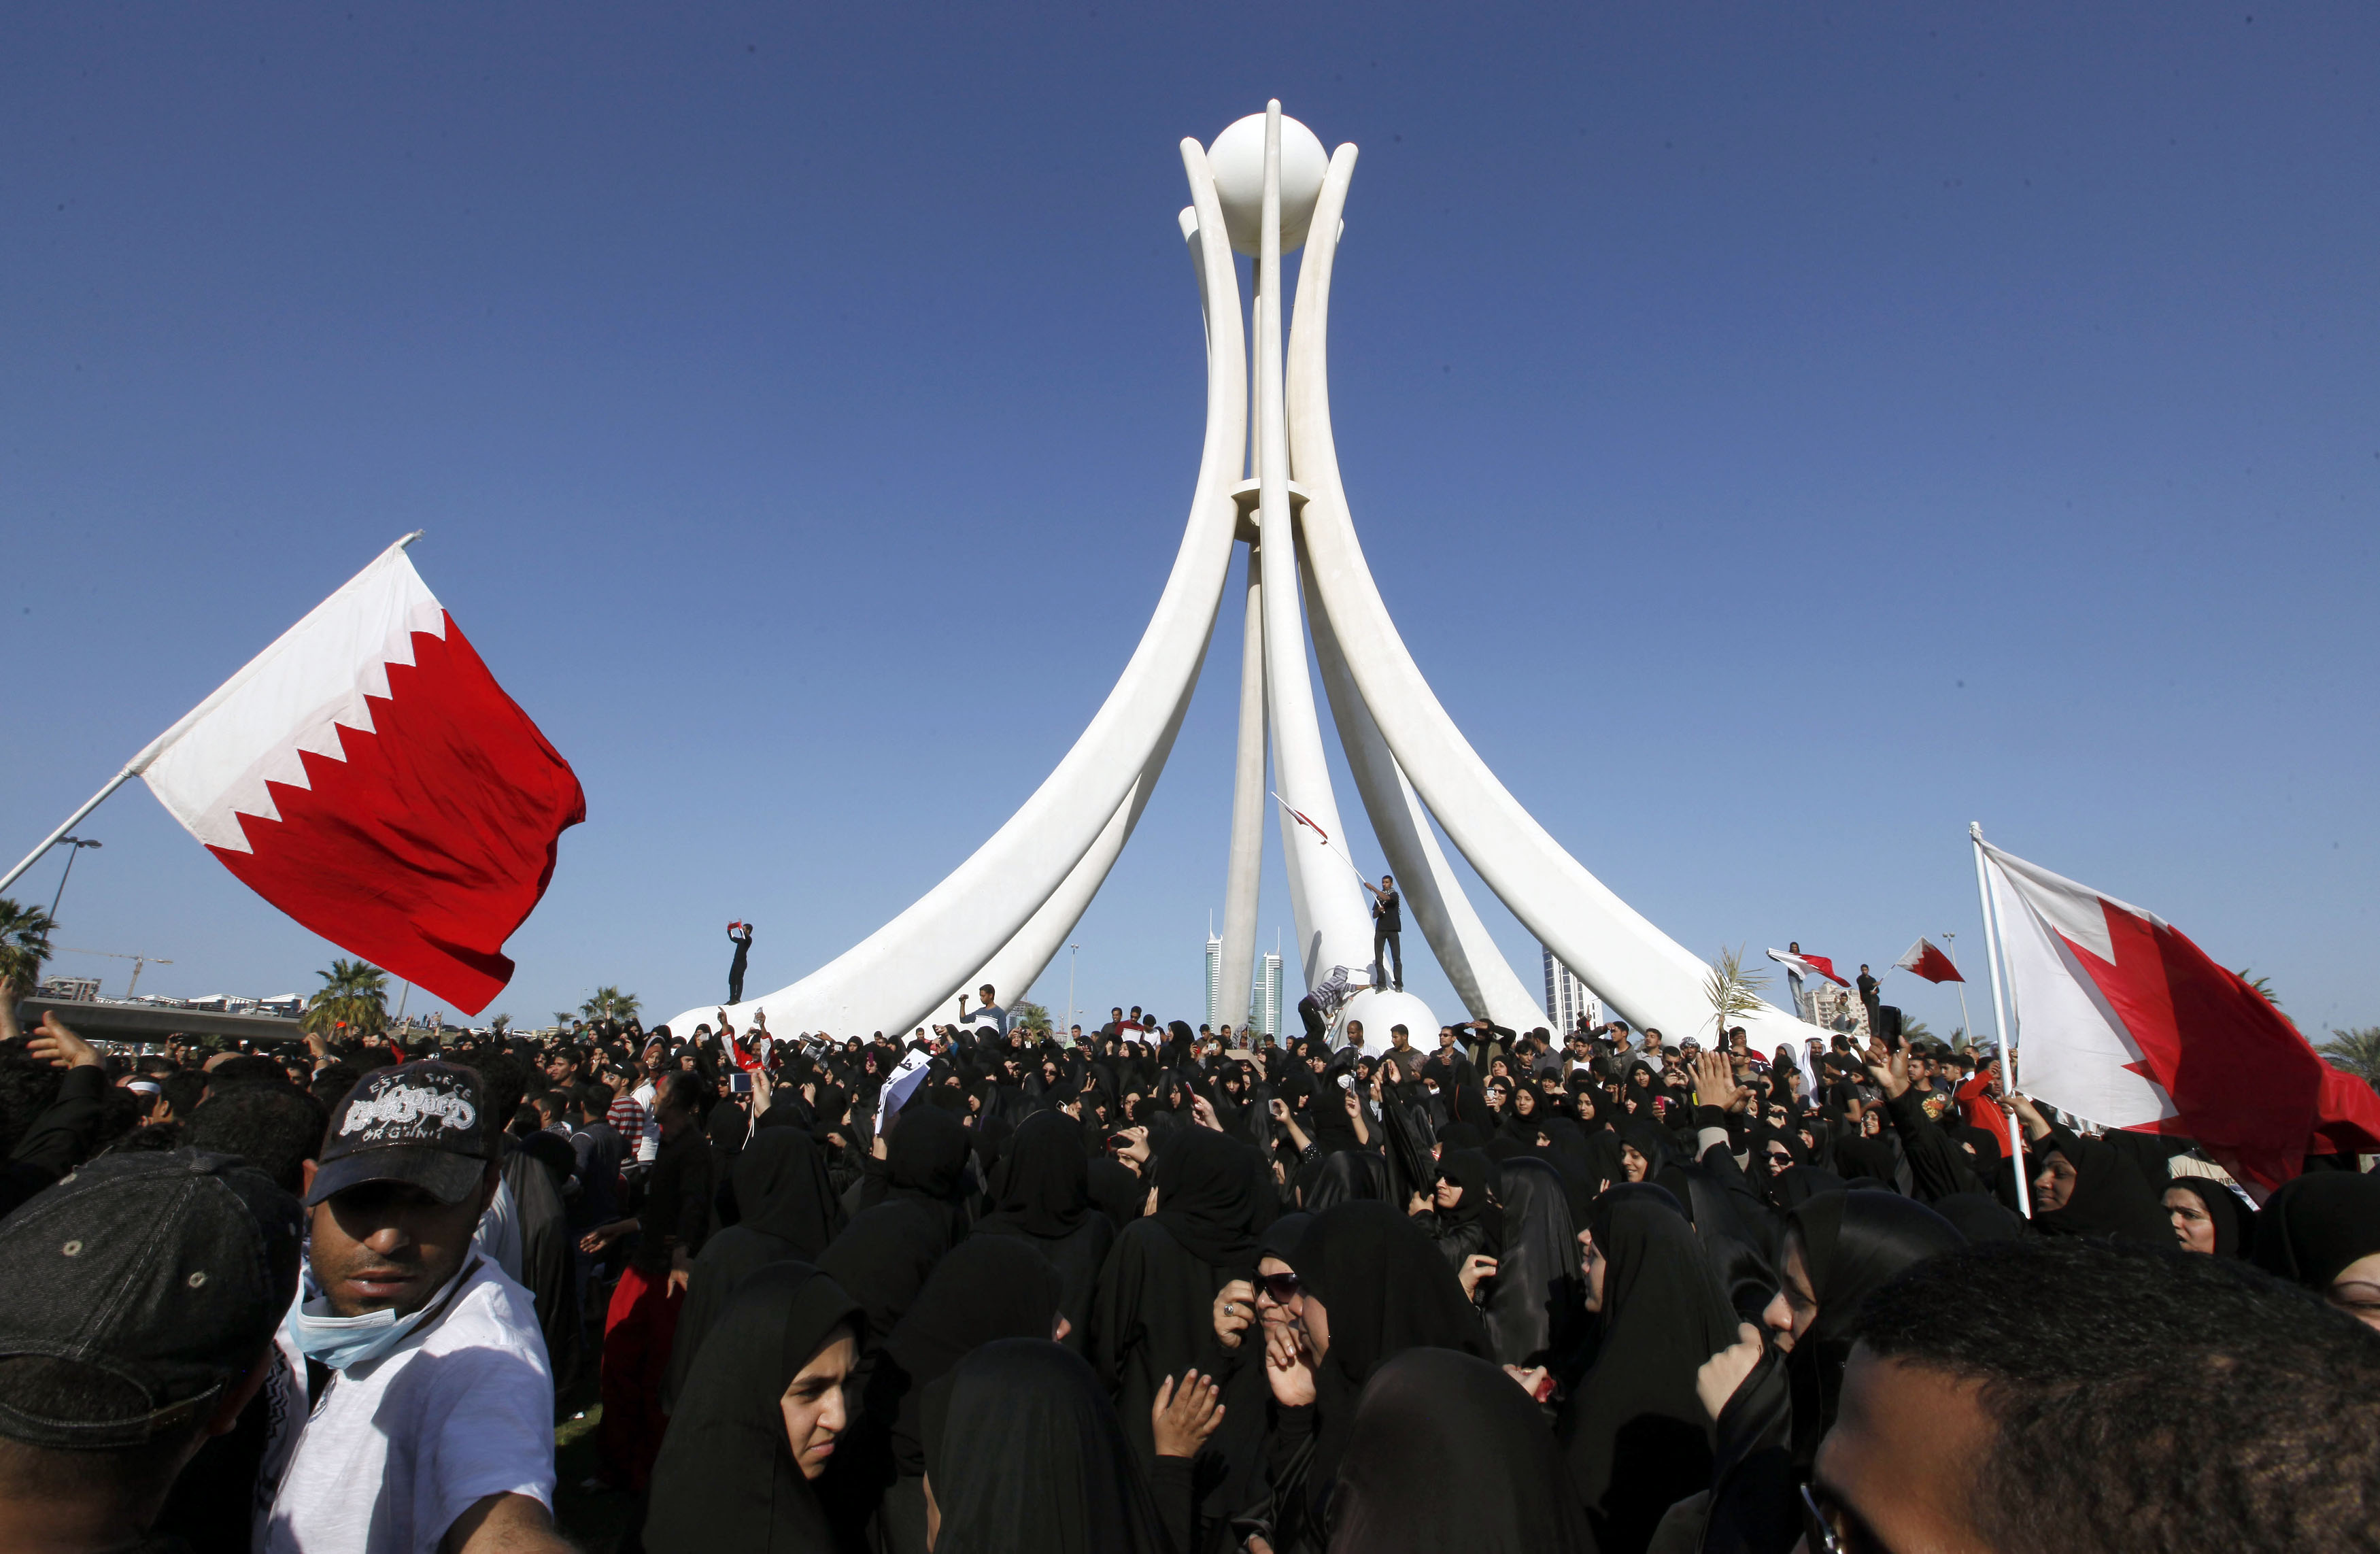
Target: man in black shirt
[[1868, 987], [1387, 923]]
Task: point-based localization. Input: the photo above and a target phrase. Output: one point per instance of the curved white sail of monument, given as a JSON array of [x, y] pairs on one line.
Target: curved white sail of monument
[[892, 979], [1638, 969]]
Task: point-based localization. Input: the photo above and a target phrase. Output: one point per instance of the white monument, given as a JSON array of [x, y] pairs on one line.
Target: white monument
[[1264, 187]]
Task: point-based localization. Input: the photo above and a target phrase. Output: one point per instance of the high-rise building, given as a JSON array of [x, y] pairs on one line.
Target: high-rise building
[[1215, 1015], [1568, 998], [1265, 1010]]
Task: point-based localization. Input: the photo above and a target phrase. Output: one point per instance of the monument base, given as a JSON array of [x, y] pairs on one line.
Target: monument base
[[1380, 1010]]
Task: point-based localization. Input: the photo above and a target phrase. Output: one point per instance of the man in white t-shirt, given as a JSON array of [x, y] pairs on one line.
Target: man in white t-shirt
[[432, 1423]]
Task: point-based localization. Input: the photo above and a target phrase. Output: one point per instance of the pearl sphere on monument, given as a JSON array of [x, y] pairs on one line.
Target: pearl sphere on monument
[[1380, 1009]]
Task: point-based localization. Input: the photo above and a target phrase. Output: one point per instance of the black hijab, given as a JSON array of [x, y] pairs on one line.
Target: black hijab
[[1476, 1174], [2110, 1197], [2317, 1225], [993, 1288], [1386, 1290], [1348, 1176], [2235, 1223], [1116, 1192], [1025, 1455], [988, 1288], [726, 1481], [1635, 1434], [883, 1257], [1853, 1243], [1043, 1187], [1981, 1217], [1214, 1196], [926, 1154], [1447, 1453], [1533, 1303], [781, 1189]]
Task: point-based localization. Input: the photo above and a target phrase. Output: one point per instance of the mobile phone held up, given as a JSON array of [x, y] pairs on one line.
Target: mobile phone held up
[[1346, 1081], [739, 1083]]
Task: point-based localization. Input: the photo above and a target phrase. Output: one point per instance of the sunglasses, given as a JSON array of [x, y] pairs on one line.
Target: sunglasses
[[1280, 1288], [1828, 1528]]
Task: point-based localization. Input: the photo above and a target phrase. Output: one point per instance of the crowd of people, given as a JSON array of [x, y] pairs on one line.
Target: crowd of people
[[1156, 1288]]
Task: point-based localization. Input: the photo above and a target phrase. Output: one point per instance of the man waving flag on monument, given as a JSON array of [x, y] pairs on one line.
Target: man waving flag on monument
[[367, 775], [2122, 1021]]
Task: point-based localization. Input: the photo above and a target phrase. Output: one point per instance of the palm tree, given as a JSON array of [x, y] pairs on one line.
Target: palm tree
[[2264, 985], [1915, 1030], [500, 1024], [608, 1003], [24, 943], [1732, 991], [353, 998], [2356, 1050], [1028, 1016]]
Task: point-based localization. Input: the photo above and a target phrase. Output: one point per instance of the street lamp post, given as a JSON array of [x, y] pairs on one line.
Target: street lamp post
[[73, 844], [1071, 950]]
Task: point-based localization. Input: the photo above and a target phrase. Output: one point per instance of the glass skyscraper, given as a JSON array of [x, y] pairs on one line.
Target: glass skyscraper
[[1568, 998]]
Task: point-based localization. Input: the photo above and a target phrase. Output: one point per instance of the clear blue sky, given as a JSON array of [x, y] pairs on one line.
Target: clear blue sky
[[1783, 434]]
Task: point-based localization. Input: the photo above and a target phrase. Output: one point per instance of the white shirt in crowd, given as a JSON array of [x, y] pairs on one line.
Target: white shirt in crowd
[[397, 1448], [648, 1145]]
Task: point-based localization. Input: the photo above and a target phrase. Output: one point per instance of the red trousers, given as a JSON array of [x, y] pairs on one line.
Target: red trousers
[[638, 1329]]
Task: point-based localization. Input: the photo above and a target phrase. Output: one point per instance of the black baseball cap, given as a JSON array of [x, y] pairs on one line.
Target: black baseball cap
[[426, 1123], [135, 1291]]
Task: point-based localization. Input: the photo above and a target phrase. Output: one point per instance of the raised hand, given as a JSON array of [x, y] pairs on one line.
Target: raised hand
[[62, 1047], [1235, 1309], [1724, 1372], [1183, 1416]]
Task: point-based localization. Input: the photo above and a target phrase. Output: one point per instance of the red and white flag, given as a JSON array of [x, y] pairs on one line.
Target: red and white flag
[[1300, 817], [1926, 961], [2124, 1022], [367, 775], [1814, 966]]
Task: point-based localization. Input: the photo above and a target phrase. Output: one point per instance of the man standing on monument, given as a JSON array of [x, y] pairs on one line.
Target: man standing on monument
[[1387, 924], [743, 942]]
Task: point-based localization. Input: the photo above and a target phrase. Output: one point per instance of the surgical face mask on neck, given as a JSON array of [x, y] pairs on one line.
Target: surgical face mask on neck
[[344, 1342]]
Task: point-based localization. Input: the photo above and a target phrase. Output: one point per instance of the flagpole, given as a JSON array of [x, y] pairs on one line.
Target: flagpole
[[2000, 1018], [93, 802], [140, 763], [1952, 954], [1326, 844]]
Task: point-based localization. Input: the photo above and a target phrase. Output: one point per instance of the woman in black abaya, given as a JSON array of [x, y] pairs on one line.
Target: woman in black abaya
[[1153, 1315], [988, 1288], [730, 1479], [1635, 1432], [1026, 1455], [1371, 1286], [788, 1211], [1041, 1194], [2323, 1230], [1446, 1453], [1533, 1315], [1840, 1248]]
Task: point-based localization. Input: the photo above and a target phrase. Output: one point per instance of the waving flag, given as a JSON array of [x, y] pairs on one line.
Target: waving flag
[[2121, 1020], [1815, 966], [1922, 960], [368, 776], [1299, 816]]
